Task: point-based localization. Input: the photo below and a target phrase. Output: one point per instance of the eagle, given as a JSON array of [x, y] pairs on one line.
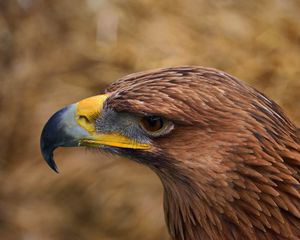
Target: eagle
[[227, 156]]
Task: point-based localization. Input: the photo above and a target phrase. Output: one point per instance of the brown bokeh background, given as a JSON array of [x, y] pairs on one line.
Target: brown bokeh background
[[56, 52]]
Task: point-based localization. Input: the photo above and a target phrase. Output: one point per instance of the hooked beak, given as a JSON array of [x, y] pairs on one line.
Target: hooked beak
[[74, 126]]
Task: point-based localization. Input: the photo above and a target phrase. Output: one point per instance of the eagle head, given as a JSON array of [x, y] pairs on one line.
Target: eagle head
[[227, 156]]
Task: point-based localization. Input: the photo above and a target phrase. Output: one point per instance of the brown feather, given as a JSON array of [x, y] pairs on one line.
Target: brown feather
[[231, 167]]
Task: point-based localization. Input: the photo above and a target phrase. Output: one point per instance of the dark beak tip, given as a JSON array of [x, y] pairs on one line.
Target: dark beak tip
[[48, 157], [55, 169], [52, 137], [53, 165]]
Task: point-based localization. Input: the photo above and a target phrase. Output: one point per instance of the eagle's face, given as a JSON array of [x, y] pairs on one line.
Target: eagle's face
[[158, 118], [187, 124]]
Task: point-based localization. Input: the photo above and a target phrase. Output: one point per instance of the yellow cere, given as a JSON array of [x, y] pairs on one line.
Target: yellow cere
[[87, 111]]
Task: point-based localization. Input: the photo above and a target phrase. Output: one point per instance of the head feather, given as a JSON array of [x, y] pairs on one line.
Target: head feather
[[231, 166]]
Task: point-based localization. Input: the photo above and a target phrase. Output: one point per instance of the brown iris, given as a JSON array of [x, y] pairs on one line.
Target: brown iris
[[152, 124]]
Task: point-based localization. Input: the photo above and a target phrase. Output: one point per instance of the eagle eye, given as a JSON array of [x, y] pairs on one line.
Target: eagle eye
[[155, 126]]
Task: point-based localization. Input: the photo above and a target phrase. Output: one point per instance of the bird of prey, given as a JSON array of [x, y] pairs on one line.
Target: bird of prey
[[227, 156]]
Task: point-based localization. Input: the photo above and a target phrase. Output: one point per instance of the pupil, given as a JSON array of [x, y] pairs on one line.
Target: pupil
[[154, 122]]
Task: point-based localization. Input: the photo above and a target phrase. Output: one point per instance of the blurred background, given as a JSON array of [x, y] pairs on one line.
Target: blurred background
[[53, 53]]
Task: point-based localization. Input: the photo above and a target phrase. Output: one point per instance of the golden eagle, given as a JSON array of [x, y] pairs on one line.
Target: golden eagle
[[227, 156]]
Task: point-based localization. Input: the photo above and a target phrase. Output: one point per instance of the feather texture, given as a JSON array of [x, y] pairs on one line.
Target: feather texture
[[231, 167]]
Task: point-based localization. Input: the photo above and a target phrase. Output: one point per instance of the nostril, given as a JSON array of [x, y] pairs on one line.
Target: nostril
[[86, 123], [84, 119]]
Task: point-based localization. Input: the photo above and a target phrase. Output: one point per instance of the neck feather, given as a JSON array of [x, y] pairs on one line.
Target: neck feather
[[254, 199]]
